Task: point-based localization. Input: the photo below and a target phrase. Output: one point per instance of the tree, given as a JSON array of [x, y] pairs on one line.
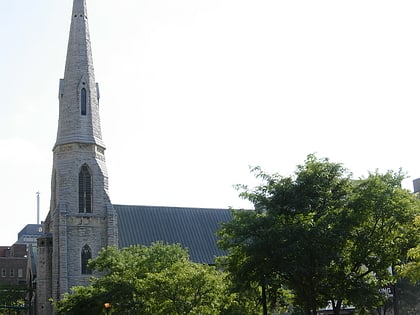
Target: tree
[[299, 220], [186, 288], [411, 270], [251, 273], [381, 236], [321, 234], [159, 279]]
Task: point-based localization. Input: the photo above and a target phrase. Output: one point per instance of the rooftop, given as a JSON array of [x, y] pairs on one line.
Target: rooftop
[[193, 228]]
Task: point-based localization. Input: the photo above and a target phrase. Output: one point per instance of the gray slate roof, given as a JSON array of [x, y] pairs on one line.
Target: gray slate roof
[[31, 229], [193, 228]]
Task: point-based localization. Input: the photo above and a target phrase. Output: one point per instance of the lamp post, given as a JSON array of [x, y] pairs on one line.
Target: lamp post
[[107, 307]]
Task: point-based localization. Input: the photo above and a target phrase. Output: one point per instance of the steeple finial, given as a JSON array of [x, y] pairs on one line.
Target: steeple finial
[[79, 97]]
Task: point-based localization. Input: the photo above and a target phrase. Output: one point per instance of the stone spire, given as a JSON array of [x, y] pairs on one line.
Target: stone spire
[[79, 94], [81, 220]]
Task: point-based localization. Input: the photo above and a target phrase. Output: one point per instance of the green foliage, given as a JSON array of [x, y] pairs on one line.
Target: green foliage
[[382, 233], [159, 279], [411, 269], [13, 295], [248, 237], [187, 288], [322, 235]]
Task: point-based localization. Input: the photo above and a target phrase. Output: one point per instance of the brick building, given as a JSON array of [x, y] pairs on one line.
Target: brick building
[[13, 264]]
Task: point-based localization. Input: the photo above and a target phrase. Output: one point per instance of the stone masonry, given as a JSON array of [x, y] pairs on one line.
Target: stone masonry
[[71, 230]]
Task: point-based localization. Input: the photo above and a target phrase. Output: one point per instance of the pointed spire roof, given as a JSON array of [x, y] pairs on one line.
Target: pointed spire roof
[[79, 96], [79, 52]]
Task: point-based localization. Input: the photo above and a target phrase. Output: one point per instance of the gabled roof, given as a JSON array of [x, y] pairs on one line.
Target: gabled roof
[[193, 228]]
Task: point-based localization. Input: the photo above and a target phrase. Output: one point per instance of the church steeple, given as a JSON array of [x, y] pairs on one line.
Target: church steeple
[[79, 94], [81, 220]]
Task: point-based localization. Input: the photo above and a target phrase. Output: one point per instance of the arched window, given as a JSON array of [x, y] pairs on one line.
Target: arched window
[[85, 190], [86, 255], [83, 101]]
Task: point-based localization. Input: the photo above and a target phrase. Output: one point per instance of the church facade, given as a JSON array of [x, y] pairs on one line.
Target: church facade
[[82, 220]]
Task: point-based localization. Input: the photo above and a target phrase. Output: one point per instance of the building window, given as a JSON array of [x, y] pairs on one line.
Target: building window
[[12, 272], [86, 255], [3, 272], [83, 101], [85, 190], [20, 273]]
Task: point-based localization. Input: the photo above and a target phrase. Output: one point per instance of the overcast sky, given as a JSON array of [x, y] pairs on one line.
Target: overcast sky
[[195, 91]]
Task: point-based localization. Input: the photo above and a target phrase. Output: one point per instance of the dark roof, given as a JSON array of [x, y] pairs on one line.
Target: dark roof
[[193, 228], [31, 229]]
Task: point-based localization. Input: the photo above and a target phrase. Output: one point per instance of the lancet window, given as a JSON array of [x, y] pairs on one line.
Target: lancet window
[[83, 101], [85, 190], [86, 255]]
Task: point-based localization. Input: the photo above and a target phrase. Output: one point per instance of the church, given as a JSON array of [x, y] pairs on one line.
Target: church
[[82, 219]]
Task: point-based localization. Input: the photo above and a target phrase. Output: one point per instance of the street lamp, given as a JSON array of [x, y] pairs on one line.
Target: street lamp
[[107, 307]]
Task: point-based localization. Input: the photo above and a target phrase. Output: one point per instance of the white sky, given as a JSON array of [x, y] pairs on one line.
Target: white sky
[[195, 91]]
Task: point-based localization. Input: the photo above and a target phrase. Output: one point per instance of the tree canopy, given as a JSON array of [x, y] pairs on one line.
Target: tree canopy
[[322, 235], [411, 270], [159, 279], [316, 238]]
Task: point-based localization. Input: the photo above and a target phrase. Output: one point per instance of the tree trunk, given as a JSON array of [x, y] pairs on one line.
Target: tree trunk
[[310, 310], [336, 307], [394, 299], [264, 299], [314, 307]]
